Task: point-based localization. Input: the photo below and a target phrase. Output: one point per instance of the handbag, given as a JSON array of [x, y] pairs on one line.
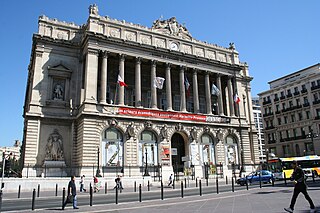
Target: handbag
[[69, 199]]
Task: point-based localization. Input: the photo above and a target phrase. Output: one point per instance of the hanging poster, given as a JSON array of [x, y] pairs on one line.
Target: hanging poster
[[165, 154]]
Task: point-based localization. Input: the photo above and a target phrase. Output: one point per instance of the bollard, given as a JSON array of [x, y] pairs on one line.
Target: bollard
[[56, 190], [148, 186], [38, 194], [91, 192], [161, 190], [19, 191], [285, 178], [312, 176], [200, 188], [272, 179], [232, 184], [185, 183], [247, 183], [207, 181], [117, 193], [181, 189], [173, 184], [217, 185], [196, 182], [63, 197], [106, 187], [260, 180], [139, 192], [135, 186], [226, 180], [0, 199], [33, 199]]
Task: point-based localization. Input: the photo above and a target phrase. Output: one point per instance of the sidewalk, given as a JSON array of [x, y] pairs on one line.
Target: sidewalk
[[264, 200]]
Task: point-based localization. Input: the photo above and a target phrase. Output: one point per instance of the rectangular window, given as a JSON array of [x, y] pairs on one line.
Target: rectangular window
[[296, 90], [285, 119], [308, 114], [293, 118], [176, 103], [298, 102], [202, 104], [305, 100], [279, 121], [303, 87], [300, 116]]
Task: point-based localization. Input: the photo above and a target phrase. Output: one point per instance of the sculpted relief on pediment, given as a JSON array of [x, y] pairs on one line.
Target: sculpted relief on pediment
[[171, 27]]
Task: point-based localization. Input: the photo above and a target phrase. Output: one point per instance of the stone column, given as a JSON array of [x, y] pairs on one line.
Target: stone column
[[195, 91], [208, 94], [103, 88], [220, 98], [168, 87], [154, 104], [230, 94], [121, 73], [91, 76], [182, 90], [138, 82]]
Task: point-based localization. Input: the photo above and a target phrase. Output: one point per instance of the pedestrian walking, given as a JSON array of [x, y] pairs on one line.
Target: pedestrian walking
[[170, 179], [82, 184], [72, 194], [299, 179], [118, 183], [96, 184]]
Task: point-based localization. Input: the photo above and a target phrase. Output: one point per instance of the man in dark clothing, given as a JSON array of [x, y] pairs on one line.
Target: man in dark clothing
[[72, 191], [298, 177]]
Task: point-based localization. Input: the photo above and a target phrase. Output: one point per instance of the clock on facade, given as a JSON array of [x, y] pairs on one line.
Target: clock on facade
[[174, 46]]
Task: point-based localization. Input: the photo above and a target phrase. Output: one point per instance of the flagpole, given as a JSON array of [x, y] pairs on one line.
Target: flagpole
[[115, 94], [242, 169]]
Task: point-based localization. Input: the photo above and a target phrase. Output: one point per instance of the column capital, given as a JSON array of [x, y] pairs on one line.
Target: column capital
[[122, 57], [153, 62], [93, 51], [138, 60], [195, 71], [168, 65], [104, 53]]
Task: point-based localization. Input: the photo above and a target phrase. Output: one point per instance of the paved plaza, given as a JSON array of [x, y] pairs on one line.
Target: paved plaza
[[263, 200]]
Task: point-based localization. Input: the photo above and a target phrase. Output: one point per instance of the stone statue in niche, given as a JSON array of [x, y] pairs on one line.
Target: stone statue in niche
[[54, 147], [193, 133], [58, 92], [130, 131], [164, 131]]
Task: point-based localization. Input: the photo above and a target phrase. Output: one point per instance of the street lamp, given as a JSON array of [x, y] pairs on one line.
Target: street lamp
[[98, 169], [146, 172], [312, 135]]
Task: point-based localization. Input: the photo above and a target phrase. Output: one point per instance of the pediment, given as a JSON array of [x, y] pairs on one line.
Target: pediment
[[171, 27], [59, 70]]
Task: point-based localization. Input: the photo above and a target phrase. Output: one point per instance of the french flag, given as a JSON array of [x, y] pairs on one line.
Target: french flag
[[236, 98], [121, 82]]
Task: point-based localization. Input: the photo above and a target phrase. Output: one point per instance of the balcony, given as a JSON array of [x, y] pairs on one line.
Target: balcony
[[306, 104], [276, 99], [266, 102], [296, 93], [289, 95], [282, 97], [268, 114], [317, 117], [316, 102], [315, 87], [304, 90], [269, 127], [278, 112], [272, 141]]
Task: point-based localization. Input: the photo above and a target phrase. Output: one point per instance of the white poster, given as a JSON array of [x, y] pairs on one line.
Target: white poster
[[194, 154]]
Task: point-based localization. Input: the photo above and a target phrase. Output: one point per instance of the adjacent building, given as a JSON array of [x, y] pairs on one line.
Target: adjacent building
[[291, 113], [257, 116], [119, 97], [13, 151]]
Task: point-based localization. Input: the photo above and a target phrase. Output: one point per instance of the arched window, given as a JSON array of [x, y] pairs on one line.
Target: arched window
[[148, 144], [207, 149], [112, 148], [231, 150]]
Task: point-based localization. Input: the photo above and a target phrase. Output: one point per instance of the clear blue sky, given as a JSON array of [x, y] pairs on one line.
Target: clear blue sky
[[275, 37]]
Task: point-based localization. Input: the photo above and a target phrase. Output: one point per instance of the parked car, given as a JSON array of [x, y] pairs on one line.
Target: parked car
[[266, 177]]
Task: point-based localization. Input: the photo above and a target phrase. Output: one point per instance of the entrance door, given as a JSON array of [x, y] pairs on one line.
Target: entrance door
[[177, 143]]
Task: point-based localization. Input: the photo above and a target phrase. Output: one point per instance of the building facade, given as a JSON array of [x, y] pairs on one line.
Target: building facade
[[112, 94], [257, 116], [291, 113]]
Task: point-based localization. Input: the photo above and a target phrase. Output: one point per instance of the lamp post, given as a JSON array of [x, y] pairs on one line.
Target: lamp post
[[267, 158], [146, 172], [98, 168], [312, 135]]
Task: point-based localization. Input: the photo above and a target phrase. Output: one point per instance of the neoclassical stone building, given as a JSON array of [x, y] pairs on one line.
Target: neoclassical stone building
[[115, 94]]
